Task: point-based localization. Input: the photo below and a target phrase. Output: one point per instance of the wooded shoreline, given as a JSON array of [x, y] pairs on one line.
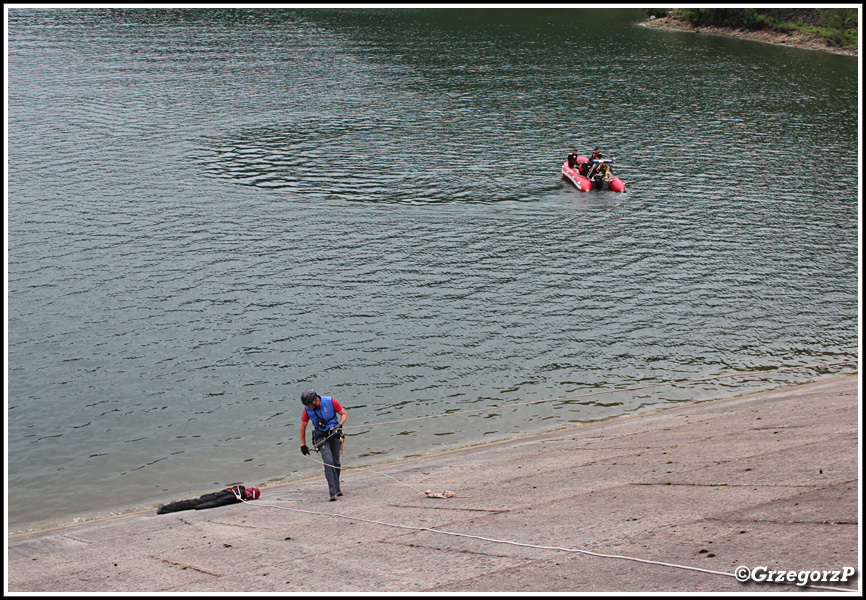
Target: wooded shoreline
[[794, 40]]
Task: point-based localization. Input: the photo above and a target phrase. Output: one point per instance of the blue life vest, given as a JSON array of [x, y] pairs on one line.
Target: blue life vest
[[325, 416]]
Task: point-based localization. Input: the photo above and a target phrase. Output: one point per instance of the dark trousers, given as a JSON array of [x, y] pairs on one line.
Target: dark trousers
[[180, 505], [220, 498], [330, 451]]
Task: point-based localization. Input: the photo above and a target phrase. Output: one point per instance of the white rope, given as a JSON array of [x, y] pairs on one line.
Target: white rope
[[428, 493], [341, 468], [536, 546]]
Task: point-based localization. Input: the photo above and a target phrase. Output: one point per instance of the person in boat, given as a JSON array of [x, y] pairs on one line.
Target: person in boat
[[605, 171], [572, 160], [602, 172], [227, 496], [584, 167], [327, 417], [596, 155]]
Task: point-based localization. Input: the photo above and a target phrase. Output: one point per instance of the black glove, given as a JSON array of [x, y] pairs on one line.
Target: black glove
[[304, 450]]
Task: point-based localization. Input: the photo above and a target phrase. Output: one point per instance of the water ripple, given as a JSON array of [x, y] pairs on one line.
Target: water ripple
[[210, 211]]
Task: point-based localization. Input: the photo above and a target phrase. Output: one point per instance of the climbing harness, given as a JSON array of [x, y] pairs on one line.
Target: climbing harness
[[318, 442]]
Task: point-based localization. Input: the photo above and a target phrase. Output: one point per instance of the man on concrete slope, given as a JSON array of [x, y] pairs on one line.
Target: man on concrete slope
[[327, 417]]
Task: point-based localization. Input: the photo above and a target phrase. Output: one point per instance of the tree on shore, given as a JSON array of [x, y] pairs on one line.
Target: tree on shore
[[839, 18]]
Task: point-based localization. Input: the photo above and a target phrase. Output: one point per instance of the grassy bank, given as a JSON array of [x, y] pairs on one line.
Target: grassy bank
[[832, 29]]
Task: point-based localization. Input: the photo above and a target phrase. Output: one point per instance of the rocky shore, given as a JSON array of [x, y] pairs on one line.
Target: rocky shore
[[794, 40]]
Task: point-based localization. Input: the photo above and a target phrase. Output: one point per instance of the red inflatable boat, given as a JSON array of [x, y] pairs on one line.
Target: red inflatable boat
[[597, 177]]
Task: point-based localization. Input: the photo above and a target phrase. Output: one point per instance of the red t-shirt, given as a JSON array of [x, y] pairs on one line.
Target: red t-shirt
[[306, 419]]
